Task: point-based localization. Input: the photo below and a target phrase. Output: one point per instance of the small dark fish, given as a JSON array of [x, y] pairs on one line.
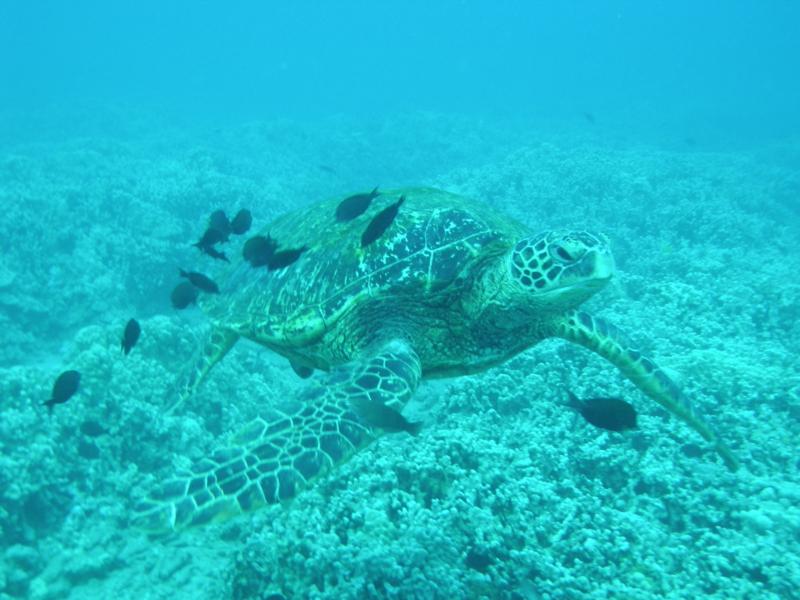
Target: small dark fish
[[206, 244], [214, 253], [183, 295], [589, 117], [210, 238], [93, 429], [284, 258], [377, 414], [613, 414], [327, 169], [478, 560], [353, 206], [64, 388], [88, 450], [131, 335], [219, 221], [200, 281], [241, 222], [258, 250], [690, 141], [380, 223], [692, 450]]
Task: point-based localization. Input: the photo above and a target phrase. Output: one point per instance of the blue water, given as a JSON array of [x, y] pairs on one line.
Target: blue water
[[725, 70], [670, 127]]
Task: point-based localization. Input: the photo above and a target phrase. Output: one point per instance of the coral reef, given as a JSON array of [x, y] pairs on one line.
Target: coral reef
[[505, 493]]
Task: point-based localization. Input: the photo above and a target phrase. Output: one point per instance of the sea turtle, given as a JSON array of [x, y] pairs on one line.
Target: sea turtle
[[452, 287]]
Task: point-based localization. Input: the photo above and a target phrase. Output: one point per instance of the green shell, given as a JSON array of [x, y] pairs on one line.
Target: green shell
[[436, 238]]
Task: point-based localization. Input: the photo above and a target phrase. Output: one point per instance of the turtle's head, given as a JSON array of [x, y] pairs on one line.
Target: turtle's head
[[560, 269]]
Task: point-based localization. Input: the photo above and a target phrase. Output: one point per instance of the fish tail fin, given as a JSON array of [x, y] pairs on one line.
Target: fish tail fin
[[182, 272], [400, 201], [415, 427], [375, 193], [49, 404], [573, 401]]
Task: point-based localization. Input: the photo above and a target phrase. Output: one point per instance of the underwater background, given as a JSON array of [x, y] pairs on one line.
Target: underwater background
[[672, 127]]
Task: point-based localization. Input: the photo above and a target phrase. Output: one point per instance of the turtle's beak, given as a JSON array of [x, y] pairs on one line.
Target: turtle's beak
[[601, 264]]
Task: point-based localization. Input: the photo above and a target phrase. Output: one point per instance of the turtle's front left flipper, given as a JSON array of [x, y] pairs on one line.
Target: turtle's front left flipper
[[275, 457], [213, 350], [609, 342]]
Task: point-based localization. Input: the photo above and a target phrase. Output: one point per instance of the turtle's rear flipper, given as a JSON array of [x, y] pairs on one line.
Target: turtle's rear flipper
[[276, 456]]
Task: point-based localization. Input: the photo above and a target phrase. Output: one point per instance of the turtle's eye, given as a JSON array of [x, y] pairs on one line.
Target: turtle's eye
[[562, 253]]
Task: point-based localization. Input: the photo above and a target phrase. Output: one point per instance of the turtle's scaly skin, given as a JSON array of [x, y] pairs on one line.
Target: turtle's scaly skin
[[452, 287]]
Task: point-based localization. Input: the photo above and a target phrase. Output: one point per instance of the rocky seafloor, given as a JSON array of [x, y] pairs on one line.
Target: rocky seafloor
[[505, 493]]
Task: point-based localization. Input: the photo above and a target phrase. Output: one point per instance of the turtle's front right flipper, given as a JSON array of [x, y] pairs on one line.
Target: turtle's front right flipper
[[276, 456], [608, 341]]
